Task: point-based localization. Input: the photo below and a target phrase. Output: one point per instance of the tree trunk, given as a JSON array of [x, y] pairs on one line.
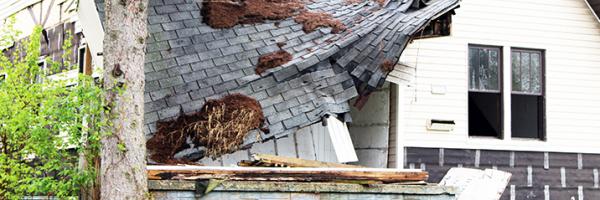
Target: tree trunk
[[123, 155]]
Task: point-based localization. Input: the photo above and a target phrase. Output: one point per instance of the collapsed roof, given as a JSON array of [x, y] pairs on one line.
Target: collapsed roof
[[188, 62]]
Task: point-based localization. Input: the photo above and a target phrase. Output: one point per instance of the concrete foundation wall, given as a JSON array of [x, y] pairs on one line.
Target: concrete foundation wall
[[265, 190]]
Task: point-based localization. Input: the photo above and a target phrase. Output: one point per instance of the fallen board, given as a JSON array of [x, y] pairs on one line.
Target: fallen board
[[267, 160], [285, 174]]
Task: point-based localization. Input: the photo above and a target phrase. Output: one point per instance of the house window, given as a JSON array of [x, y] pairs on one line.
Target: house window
[[527, 107], [81, 59], [485, 91]]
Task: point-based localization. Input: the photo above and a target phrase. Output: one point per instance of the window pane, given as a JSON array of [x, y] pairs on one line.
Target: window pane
[[516, 71], [473, 72], [484, 66], [536, 73], [525, 72]]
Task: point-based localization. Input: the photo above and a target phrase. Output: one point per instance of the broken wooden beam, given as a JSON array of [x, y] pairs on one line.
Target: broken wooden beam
[[266, 160], [285, 174]]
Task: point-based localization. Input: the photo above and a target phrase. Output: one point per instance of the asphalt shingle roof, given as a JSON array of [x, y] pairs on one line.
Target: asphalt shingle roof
[[188, 62]]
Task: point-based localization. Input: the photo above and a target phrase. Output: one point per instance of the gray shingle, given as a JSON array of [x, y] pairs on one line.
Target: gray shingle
[[223, 34], [151, 86], [245, 30], [192, 106], [232, 50], [217, 44], [173, 52], [172, 26], [165, 9], [157, 19], [187, 59], [295, 121], [207, 82], [285, 73], [253, 45], [202, 93], [180, 42], [247, 54], [220, 88], [202, 65], [193, 76], [260, 36], [157, 46], [178, 16], [232, 75], [225, 60], [269, 101], [287, 105], [165, 35], [182, 69], [172, 81], [280, 31], [279, 116], [169, 112], [263, 83], [178, 99], [160, 94], [156, 75], [187, 87], [154, 106], [187, 32], [302, 108], [215, 53], [203, 38], [238, 40], [240, 64]]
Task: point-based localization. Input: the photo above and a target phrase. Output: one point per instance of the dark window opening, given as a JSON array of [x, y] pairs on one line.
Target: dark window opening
[[527, 98], [437, 28], [81, 59], [485, 91]]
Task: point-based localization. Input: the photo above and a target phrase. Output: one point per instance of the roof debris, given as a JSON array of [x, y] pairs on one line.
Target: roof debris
[[387, 66], [272, 60], [228, 13], [220, 127], [266, 160], [312, 20]]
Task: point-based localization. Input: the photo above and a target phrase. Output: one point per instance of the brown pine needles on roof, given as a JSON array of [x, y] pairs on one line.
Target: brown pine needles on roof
[[220, 126]]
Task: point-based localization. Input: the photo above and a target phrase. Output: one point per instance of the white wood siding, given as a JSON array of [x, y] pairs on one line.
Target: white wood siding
[[566, 29]]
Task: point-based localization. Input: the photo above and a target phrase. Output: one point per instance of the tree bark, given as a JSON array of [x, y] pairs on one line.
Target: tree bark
[[123, 154]]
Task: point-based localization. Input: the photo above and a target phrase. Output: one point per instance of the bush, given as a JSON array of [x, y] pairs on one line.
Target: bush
[[47, 130]]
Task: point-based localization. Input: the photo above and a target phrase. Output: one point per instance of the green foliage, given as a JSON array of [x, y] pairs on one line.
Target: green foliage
[[46, 128]]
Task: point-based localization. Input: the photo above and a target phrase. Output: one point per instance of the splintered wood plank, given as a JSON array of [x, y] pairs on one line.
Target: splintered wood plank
[[284, 174], [296, 162]]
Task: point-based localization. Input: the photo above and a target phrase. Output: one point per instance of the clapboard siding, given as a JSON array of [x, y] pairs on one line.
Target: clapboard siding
[[570, 35]]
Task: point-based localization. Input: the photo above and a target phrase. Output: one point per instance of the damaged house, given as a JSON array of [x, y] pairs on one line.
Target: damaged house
[[389, 84], [226, 79]]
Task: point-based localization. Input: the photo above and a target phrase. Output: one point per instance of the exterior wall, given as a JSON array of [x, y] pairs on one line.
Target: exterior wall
[[535, 175], [267, 190], [369, 129], [46, 13], [565, 29]]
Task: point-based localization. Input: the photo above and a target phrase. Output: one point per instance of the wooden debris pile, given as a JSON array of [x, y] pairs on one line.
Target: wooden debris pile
[[277, 168]]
